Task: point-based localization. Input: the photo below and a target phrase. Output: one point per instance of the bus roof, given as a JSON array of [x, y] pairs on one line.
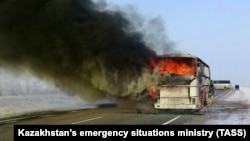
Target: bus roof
[[183, 55], [177, 55]]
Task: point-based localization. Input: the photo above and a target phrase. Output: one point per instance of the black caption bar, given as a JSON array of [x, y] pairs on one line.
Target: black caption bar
[[80, 132]]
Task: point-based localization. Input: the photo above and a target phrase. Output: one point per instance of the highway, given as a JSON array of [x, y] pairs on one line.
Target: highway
[[107, 116]]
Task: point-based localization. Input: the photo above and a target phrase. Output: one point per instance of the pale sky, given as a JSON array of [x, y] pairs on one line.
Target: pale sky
[[217, 31]]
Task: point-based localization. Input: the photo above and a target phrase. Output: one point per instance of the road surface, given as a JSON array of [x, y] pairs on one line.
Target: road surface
[[220, 111]]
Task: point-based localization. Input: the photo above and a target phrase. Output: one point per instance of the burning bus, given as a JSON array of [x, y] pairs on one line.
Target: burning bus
[[184, 83]]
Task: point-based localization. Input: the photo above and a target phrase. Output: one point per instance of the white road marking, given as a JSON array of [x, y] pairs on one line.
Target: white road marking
[[171, 120], [46, 116], [15, 119], [86, 120], [75, 111], [221, 93], [8, 121]]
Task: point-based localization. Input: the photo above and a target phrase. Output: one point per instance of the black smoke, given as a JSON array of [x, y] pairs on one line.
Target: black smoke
[[73, 44]]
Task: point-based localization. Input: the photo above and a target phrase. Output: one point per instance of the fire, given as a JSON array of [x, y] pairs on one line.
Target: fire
[[174, 65], [153, 91]]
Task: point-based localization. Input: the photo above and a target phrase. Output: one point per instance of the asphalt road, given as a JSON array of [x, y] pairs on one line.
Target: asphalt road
[[106, 116]]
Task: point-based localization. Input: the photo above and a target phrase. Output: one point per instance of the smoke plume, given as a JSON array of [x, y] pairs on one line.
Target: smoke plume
[[81, 49]]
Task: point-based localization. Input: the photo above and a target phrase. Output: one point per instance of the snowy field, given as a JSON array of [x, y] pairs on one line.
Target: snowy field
[[23, 93], [232, 108], [23, 104]]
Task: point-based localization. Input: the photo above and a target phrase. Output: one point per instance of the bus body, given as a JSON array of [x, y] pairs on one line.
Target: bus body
[[185, 82], [222, 84]]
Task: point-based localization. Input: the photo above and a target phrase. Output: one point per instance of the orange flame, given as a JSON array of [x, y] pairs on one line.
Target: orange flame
[[153, 91], [174, 65]]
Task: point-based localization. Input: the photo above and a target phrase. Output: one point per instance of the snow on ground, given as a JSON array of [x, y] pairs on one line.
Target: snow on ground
[[24, 104], [232, 108], [22, 93]]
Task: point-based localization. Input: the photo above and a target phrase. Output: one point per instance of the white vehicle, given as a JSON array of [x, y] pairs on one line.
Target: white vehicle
[[222, 84], [185, 84]]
